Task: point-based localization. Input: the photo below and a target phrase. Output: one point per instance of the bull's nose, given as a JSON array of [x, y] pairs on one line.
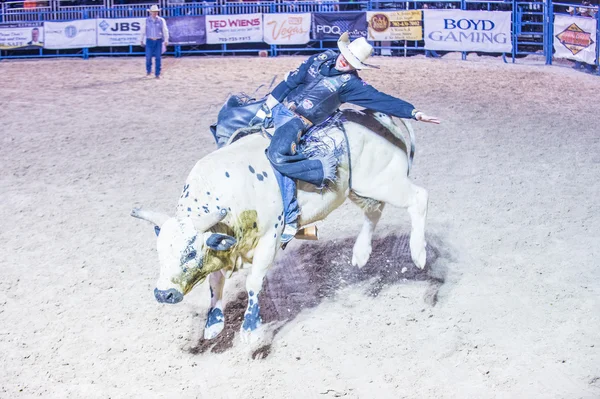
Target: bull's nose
[[168, 296]]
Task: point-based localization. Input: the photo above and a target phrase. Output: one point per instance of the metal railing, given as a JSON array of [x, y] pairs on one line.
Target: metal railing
[[532, 22]]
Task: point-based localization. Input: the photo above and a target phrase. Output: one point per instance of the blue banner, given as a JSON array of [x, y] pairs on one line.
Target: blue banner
[[187, 30], [328, 26]]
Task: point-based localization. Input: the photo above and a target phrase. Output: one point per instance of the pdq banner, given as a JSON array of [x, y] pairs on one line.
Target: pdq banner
[[331, 26], [120, 32], [395, 25], [21, 35], [243, 28], [574, 38], [286, 28], [71, 34], [187, 30], [458, 30]]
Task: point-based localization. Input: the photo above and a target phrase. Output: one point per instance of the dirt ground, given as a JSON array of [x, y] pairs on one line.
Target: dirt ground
[[509, 306]]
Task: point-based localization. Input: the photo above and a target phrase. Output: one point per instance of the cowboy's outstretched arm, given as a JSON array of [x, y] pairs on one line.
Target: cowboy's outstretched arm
[[358, 92]]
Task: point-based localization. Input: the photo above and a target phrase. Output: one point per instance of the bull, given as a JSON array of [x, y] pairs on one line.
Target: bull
[[230, 213]]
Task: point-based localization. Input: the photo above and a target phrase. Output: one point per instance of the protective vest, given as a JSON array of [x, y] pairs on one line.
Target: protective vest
[[317, 98]]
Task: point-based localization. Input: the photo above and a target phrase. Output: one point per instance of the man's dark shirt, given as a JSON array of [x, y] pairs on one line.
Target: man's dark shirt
[[354, 91]]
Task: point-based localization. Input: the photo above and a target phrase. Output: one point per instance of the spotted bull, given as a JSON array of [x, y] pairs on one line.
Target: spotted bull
[[230, 213]]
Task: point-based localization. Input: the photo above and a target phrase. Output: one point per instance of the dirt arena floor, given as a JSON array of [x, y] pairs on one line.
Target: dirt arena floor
[[509, 306]]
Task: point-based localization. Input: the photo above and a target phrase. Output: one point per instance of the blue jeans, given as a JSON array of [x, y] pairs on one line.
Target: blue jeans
[[153, 49], [291, 210], [431, 53]]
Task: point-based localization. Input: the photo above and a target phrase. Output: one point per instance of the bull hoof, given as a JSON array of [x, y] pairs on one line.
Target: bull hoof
[[214, 323], [420, 258], [361, 255], [253, 338]]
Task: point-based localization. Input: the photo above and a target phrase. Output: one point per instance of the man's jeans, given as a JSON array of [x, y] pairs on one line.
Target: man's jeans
[[153, 49], [282, 115]]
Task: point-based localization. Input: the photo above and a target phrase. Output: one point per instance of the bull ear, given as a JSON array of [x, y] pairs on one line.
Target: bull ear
[[219, 242]]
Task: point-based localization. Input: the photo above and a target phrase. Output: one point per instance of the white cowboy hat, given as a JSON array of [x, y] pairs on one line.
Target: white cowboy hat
[[356, 52], [154, 8]]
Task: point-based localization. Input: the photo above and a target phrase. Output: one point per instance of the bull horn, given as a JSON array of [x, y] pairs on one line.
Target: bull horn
[[153, 217], [205, 223]]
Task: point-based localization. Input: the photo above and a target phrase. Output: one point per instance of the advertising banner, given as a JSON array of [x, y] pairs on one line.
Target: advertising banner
[[71, 34], [21, 35], [330, 26], [187, 30], [286, 28], [242, 28], [395, 25], [459, 30], [120, 31], [574, 38]]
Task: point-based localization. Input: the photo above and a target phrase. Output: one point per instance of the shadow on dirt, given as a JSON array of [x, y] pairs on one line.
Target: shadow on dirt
[[304, 277]]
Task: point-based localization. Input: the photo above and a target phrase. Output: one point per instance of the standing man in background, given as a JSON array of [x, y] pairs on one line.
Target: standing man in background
[[155, 37]]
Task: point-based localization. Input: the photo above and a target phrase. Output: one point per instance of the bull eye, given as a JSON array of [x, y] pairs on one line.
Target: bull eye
[[191, 255]]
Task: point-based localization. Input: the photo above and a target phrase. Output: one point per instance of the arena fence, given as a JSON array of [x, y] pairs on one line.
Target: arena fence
[[394, 28]]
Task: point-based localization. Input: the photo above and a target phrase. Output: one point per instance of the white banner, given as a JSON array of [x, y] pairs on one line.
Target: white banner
[[287, 28], [574, 38], [25, 35], [458, 30], [71, 34], [120, 32], [243, 28]]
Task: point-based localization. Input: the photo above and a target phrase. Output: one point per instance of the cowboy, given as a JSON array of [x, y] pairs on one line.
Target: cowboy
[[313, 93], [155, 37]]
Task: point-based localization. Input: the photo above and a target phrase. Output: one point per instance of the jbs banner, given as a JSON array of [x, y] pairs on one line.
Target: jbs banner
[[71, 34], [332, 25], [21, 35], [187, 30], [243, 28], [457, 30], [574, 38], [120, 32], [395, 25], [286, 28]]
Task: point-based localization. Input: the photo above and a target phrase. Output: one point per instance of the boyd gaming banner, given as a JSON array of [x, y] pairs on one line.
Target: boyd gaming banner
[[458, 30], [286, 28], [187, 30], [332, 25], [120, 32], [395, 25], [574, 38], [72, 34], [243, 28], [21, 35]]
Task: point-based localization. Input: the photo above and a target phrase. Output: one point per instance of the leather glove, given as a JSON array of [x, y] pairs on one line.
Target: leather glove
[[265, 111]]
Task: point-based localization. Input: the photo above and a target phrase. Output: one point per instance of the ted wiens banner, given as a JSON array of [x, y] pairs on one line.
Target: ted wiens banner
[[458, 30], [71, 34], [286, 28], [574, 38], [329, 26], [21, 35], [395, 25], [120, 31], [187, 30], [242, 28]]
